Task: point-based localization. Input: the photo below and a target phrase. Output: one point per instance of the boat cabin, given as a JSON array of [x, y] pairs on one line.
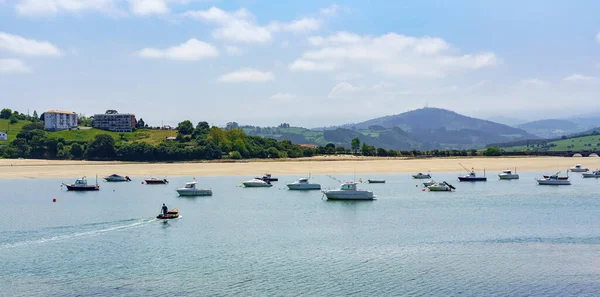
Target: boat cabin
[[190, 185], [507, 171], [81, 182], [348, 186], [303, 180]]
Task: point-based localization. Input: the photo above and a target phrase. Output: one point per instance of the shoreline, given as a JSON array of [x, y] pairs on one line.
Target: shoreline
[[25, 168]]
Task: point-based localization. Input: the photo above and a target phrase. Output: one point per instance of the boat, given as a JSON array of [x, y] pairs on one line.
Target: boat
[[117, 178], [560, 177], [578, 168], [171, 214], [554, 180], [348, 191], [508, 174], [428, 183], [471, 177], [303, 184], [190, 189], [267, 177], [421, 176], [156, 181], [82, 185], [257, 183], [441, 187], [376, 181], [595, 174]]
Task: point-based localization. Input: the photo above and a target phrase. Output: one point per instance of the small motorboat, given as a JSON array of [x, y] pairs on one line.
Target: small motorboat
[[190, 189], [117, 178], [578, 168], [267, 177], [428, 183], [303, 184], [421, 176], [508, 174], [257, 183], [554, 180], [376, 181], [171, 214], [559, 177], [156, 181], [595, 174], [441, 187], [348, 191], [471, 177], [82, 185]]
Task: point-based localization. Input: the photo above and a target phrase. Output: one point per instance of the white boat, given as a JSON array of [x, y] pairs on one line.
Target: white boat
[[554, 180], [257, 183], [579, 168], [441, 187], [428, 183], [190, 189], [303, 184], [508, 174], [421, 176], [117, 178], [595, 174], [348, 191]]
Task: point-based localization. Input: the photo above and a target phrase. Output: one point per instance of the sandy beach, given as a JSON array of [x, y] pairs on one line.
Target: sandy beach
[[12, 168]]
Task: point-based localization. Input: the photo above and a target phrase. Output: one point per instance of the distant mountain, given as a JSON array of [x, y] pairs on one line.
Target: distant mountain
[[505, 120], [552, 128], [586, 122]]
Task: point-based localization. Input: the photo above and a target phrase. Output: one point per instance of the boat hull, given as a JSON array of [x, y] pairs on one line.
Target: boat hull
[[426, 176], [560, 182], [376, 181], [256, 185], [304, 187], [439, 189], [196, 192], [472, 179], [155, 182], [86, 188], [579, 170], [591, 175], [349, 195], [508, 176], [428, 183]]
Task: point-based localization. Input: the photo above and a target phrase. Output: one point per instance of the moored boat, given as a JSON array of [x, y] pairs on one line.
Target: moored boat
[[117, 178], [441, 187], [376, 181], [471, 177], [257, 183], [348, 191], [578, 168], [267, 177], [554, 180], [508, 174], [428, 183], [171, 214], [421, 176], [156, 181], [82, 185], [190, 189], [595, 174], [303, 184]]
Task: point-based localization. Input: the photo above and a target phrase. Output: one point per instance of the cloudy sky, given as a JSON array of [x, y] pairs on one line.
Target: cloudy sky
[[309, 63]]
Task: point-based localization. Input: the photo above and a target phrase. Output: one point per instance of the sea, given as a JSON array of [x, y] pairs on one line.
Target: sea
[[494, 238]]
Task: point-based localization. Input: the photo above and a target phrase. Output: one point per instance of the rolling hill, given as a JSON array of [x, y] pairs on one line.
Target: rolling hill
[[551, 128]]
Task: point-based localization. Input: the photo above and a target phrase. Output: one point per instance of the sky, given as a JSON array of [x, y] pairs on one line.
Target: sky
[[307, 63]]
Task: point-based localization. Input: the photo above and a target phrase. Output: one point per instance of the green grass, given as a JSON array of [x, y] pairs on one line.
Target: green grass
[[587, 143], [11, 129], [144, 135]]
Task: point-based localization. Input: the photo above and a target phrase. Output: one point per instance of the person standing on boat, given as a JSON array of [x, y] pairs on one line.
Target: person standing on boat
[[165, 209]]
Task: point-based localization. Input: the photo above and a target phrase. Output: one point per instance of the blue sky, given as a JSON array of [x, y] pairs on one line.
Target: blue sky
[[309, 63]]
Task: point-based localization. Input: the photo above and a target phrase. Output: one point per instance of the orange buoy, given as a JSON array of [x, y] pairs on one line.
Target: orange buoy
[[142, 183], [53, 199], [423, 190]]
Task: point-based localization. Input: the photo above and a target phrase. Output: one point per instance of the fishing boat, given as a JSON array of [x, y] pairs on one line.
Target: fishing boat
[[376, 181], [190, 189], [117, 178], [554, 180], [348, 191], [267, 177], [578, 168], [471, 177], [441, 187], [595, 174], [303, 184], [82, 185], [428, 183], [171, 214], [421, 176], [508, 174], [156, 181], [257, 183]]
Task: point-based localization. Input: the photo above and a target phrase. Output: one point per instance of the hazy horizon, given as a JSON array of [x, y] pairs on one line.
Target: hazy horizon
[[310, 63]]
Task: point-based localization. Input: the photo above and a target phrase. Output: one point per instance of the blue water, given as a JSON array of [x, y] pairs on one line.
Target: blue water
[[503, 238]]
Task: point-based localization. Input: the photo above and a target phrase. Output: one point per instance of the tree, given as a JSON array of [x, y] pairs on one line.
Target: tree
[[102, 148], [140, 123], [492, 151], [35, 116], [111, 111], [186, 127], [272, 153], [33, 126], [367, 150], [382, 152], [355, 144], [13, 119], [76, 150], [5, 113], [235, 155]]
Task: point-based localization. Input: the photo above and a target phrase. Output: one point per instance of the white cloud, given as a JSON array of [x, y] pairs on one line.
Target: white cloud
[[246, 75], [237, 26], [233, 50], [342, 89], [28, 47], [191, 50], [307, 65], [38, 8], [148, 7], [296, 26], [330, 11], [578, 77], [13, 66], [283, 96], [392, 54]]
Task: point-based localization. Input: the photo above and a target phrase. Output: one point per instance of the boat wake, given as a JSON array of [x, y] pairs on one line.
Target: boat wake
[[131, 223]]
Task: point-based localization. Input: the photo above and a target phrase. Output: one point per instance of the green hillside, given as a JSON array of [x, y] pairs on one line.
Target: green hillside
[[11, 129], [584, 143]]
